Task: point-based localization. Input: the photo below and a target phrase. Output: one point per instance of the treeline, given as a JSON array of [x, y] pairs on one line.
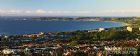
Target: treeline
[[86, 18], [52, 18], [110, 34]]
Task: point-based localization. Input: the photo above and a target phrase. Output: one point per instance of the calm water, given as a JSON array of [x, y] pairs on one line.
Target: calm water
[[22, 27]]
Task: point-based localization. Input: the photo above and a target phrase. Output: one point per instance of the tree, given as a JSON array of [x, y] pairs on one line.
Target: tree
[[79, 53]]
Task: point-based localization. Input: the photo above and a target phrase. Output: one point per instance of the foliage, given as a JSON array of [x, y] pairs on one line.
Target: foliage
[[79, 53]]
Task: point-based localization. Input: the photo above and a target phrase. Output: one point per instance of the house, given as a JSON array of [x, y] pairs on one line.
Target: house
[[101, 29], [129, 29], [133, 29]]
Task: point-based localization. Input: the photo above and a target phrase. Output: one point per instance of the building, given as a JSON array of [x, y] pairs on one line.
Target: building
[[129, 29], [133, 29], [101, 29], [92, 30], [7, 51]]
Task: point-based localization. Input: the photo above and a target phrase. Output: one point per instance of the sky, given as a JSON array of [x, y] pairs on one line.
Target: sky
[[70, 7]]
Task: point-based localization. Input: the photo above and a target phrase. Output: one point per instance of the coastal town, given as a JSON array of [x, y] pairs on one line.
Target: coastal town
[[121, 41], [69, 27]]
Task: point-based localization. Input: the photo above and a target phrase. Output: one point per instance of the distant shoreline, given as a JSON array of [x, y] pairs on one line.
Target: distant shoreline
[[123, 23]]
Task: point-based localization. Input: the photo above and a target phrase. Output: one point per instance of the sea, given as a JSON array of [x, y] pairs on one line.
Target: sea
[[15, 27]]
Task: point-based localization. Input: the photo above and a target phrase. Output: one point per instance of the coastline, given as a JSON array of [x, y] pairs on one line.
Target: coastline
[[123, 23], [120, 23]]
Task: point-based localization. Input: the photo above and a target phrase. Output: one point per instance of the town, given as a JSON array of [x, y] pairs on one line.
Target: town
[[103, 41], [69, 27]]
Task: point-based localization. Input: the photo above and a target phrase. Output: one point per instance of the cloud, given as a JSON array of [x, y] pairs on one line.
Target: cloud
[[40, 11], [28, 11], [2, 11], [122, 11], [83, 11]]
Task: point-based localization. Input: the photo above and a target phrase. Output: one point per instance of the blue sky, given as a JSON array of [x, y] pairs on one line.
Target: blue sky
[[70, 7]]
